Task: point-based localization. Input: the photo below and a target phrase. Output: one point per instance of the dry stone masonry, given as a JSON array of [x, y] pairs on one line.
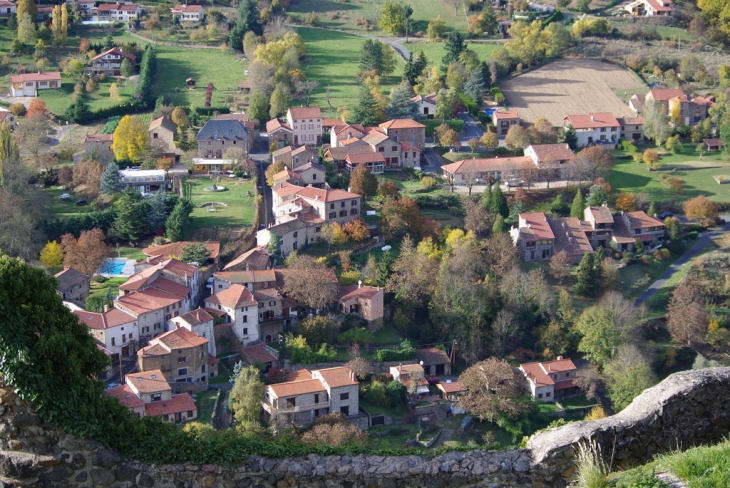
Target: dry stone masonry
[[686, 409]]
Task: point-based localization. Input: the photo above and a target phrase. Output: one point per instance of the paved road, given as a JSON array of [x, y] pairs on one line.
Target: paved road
[[471, 128], [702, 243], [260, 154]]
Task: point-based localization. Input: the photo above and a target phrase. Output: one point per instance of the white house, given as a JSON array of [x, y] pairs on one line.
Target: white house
[[188, 14], [601, 129], [28, 84], [145, 180], [7, 8], [112, 329], [549, 380], [238, 307], [426, 104], [306, 125], [200, 322]]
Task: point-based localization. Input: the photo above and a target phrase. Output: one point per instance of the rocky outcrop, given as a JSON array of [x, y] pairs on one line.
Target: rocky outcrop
[[686, 409]]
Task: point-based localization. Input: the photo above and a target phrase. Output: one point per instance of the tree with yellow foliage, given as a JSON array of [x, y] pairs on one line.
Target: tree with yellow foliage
[[130, 139], [52, 254], [676, 108], [626, 202]]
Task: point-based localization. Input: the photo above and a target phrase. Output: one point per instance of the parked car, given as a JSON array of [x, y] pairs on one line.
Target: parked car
[[81, 202], [664, 215], [64, 196]]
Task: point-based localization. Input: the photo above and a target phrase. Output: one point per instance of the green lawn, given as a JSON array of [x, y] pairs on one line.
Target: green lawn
[[332, 59], [62, 208], [57, 101], [387, 335], [395, 436], [435, 51], [342, 14], [635, 278], [99, 289], [205, 401], [633, 177], [239, 211], [394, 412], [224, 374], [577, 402]]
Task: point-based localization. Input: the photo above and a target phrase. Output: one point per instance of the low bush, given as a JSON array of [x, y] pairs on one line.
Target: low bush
[[692, 235]]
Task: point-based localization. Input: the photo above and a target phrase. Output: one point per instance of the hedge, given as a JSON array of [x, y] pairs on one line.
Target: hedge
[[431, 124], [497, 94], [209, 111], [391, 355], [75, 224], [120, 110]]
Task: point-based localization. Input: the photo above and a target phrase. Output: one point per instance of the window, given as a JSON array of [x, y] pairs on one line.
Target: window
[[296, 234], [316, 398], [156, 397], [547, 395], [345, 396], [291, 402], [182, 360], [345, 410], [114, 341], [314, 176], [190, 414], [245, 331], [332, 215], [272, 303], [539, 395], [261, 304], [332, 205], [603, 129], [353, 211], [343, 213], [245, 319], [317, 230], [202, 368], [154, 136], [353, 203], [124, 338], [381, 149], [182, 371], [567, 375]]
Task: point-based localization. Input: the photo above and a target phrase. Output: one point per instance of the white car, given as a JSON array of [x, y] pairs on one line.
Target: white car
[[64, 196]]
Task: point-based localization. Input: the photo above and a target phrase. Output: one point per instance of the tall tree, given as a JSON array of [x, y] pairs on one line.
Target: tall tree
[[85, 253], [656, 122], [494, 389], [587, 284], [410, 73], [131, 222], [454, 46], [27, 7], [158, 210], [474, 85], [130, 139], [110, 182], [51, 254], [392, 18], [311, 283], [576, 209], [365, 112], [9, 152], [529, 42], [628, 375], [498, 203], [400, 105], [246, 397], [177, 223], [687, 315]]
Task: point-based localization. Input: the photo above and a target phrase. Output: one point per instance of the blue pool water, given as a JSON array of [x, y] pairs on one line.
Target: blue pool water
[[489, 111], [112, 266]]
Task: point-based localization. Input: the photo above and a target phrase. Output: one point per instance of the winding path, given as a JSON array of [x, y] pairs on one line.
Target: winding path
[[702, 243]]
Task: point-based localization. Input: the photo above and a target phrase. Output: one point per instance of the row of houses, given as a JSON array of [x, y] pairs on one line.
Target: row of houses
[[538, 238]]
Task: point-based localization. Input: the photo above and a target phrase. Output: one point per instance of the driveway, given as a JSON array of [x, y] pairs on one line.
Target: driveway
[[702, 243], [471, 128], [24, 100]]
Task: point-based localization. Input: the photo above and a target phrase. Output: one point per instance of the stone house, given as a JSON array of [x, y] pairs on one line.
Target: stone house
[[241, 310], [278, 132], [571, 237], [188, 15], [252, 279], [99, 146], [162, 135], [601, 129], [628, 227], [293, 234], [342, 132], [256, 258], [148, 394], [435, 362], [113, 329], [632, 128], [182, 357], [692, 110], [73, 285], [218, 135], [148, 270], [556, 156], [550, 380], [7, 116], [405, 130], [109, 62], [295, 158], [600, 226], [260, 355], [199, 322], [533, 237], [367, 302], [504, 119], [306, 125], [312, 395], [29, 84]]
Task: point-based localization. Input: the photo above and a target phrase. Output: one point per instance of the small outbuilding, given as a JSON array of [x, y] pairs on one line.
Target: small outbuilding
[[713, 144], [190, 83]]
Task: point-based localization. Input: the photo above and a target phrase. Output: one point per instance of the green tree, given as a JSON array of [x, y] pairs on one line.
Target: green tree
[[454, 46], [385, 268], [400, 105], [195, 253], [158, 210], [499, 225], [652, 209], [179, 220], [568, 136], [27, 7], [319, 329], [437, 28], [586, 285], [126, 68], [273, 248], [599, 338], [627, 376], [9, 152], [246, 397], [529, 43], [110, 182], [576, 209], [280, 98], [392, 18], [559, 207], [365, 112], [78, 111], [409, 71], [596, 196], [371, 56], [474, 85], [131, 223], [258, 108], [447, 103], [656, 122], [498, 202], [26, 28]]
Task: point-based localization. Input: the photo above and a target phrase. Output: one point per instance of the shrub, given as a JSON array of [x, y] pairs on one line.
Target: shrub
[[646, 260], [665, 253], [628, 255], [405, 352], [629, 147], [395, 392], [375, 394], [692, 235], [429, 183], [17, 109]]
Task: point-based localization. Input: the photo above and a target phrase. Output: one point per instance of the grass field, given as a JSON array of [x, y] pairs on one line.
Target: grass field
[[62, 208], [205, 401], [239, 211], [435, 51], [569, 86], [633, 177], [332, 59], [99, 289], [342, 14], [57, 101]]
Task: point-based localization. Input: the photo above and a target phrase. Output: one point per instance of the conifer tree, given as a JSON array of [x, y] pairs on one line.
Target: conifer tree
[[109, 182], [131, 223], [400, 105], [498, 202], [365, 112], [499, 225], [586, 285], [576, 209]]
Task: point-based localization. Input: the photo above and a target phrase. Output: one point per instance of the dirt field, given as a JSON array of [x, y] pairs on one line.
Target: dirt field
[[569, 87]]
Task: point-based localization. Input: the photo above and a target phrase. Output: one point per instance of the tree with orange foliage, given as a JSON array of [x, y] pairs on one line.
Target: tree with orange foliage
[[37, 106], [86, 253], [357, 230], [403, 216], [700, 208], [626, 202]]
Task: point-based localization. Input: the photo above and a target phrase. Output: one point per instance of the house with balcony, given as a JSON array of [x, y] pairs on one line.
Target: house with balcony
[[533, 237], [198, 322], [114, 330], [188, 15], [551, 380], [182, 357], [311, 395], [148, 394], [595, 129], [367, 302], [145, 181], [237, 306], [630, 227], [600, 226], [29, 84], [109, 63]]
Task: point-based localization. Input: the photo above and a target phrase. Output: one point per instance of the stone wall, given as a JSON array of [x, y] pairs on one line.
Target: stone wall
[[686, 409]]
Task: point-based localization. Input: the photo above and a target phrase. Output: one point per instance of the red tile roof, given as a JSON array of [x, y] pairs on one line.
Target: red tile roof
[[295, 388], [487, 164], [374, 157], [125, 395], [152, 381], [119, 52], [326, 123], [714, 142], [323, 195], [276, 124], [602, 215], [453, 387], [355, 291], [105, 320], [235, 296], [665, 94], [402, 124], [408, 147], [251, 276], [177, 404], [174, 250], [570, 236], [305, 113], [180, 338], [552, 152], [256, 258], [165, 123], [640, 220], [506, 114], [337, 377], [186, 8], [593, 120], [659, 7], [535, 225], [539, 373], [298, 375], [99, 138], [50, 76], [258, 354]]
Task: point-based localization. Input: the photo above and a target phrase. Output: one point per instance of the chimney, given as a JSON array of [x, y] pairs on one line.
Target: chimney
[[359, 284], [560, 358], [106, 307], [593, 119], [148, 259]]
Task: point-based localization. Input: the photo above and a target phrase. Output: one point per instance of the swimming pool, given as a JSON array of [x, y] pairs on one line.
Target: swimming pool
[[490, 111], [116, 267]]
